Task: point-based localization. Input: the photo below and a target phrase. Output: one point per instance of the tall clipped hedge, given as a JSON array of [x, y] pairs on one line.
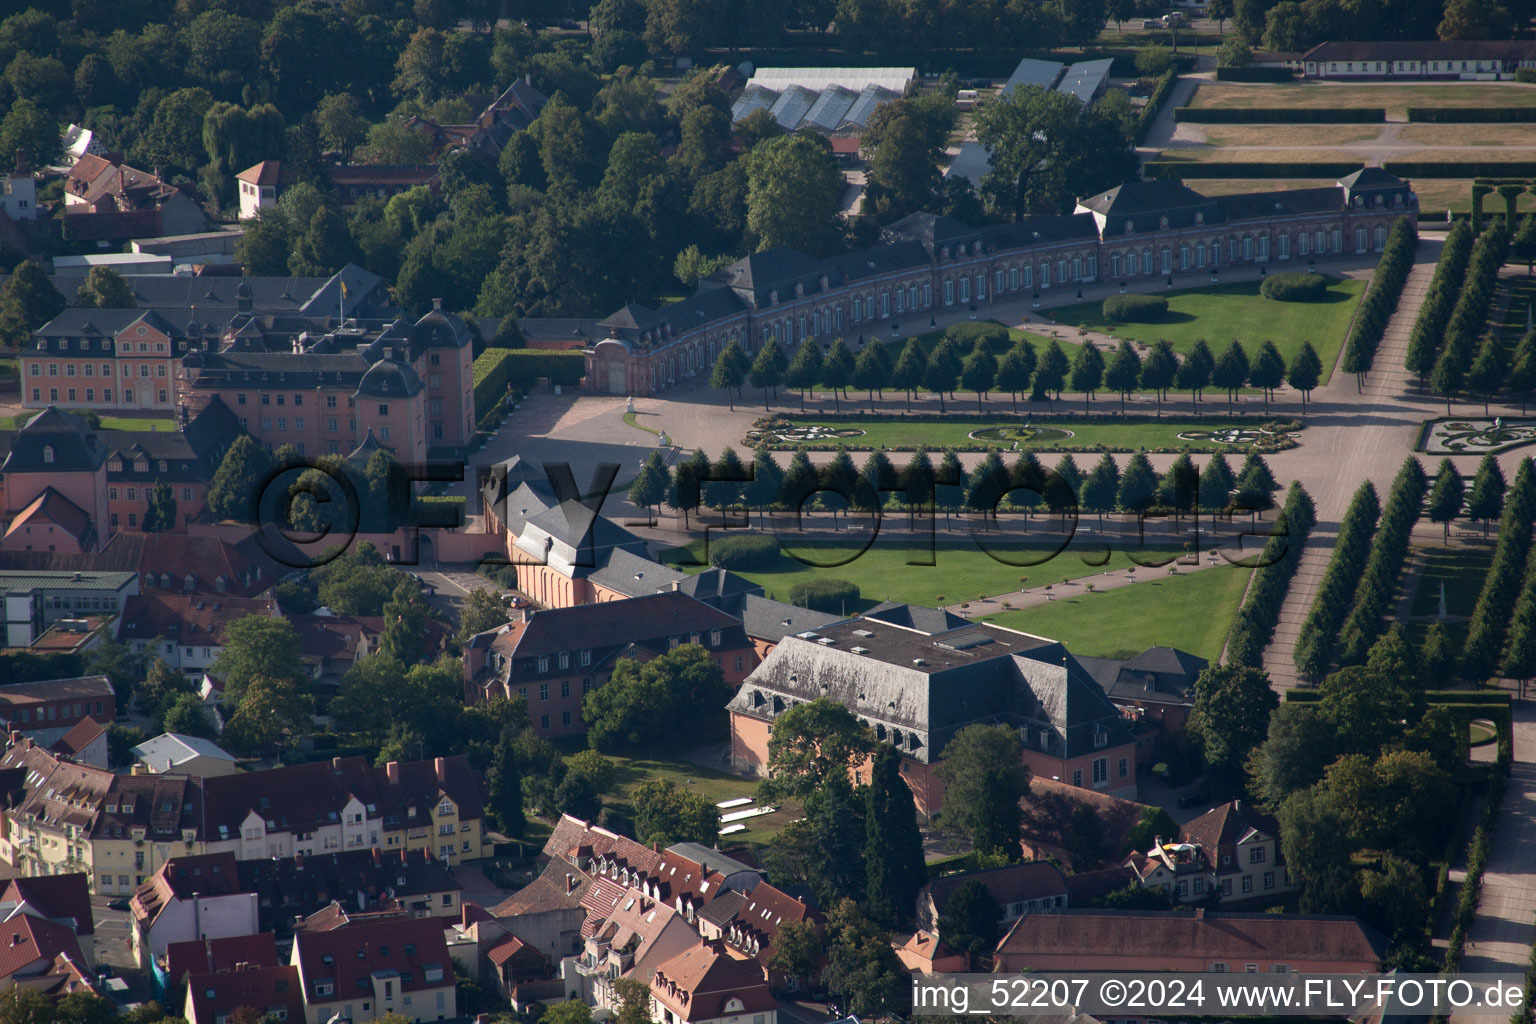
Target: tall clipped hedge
[[1247, 169], [1160, 94], [1471, 115], [1281, 115], [1496, 602], [1458, 169], [498, 367], [1254, 626], [1439, 300], [1389, 552], [1335, 595], [1381, 298], [1469, 317]]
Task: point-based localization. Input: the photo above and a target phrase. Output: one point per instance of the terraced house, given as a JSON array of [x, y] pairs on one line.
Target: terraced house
[[927, 264]]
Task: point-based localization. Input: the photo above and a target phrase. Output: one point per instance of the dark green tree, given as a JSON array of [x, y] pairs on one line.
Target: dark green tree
[[1124, 371], [1087, 371], [837, 371], [1444, 503], [1305, 372], [1194, 374], [1159, 370], [730, 370], [160, 510], [504, 787], [805, 369], [1267, 371], [971, 921], [985, 776], [1230, 718]]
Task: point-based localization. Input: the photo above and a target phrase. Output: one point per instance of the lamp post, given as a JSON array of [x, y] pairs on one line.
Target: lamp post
[[1037, 300], [1122, 287], [1215, 274], [1261, 271], [1079, 291]]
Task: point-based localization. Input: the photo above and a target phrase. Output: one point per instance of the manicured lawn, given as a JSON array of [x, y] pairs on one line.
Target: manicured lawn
[[1461, 570], [1219, 313], [107, 422], [1395, 98], [961, 570], [709, 783], [1192, 612], [936, 434]]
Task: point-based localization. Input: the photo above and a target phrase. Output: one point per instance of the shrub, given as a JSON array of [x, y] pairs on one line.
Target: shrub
[[498, 367], [1155, 103], [1294, 287], [964, 336], [1381, 298], [1135, 308], [749, 551], [836, 597], [1435, 311]]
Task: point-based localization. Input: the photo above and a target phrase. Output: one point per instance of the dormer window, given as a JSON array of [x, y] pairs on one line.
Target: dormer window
[[1199, 217], [141, 465], [48, 453], [1130, 226], [115, 466], [1162, 222]]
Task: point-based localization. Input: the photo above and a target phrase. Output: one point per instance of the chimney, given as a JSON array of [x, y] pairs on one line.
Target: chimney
[[336, 763], [1199, 913], [392, 772], [677, 585], [437, 305], [440, 765]]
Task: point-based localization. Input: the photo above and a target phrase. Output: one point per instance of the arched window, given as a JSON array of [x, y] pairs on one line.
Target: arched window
[[858, 309], [901, 300], [1247, 248], [885, 304], [912, 295], [981, 285], [1077, 268], [965, 288], [927, 293], [949, 292], [1114, 264], [1013, 278], [837, 318], [1045, 274]]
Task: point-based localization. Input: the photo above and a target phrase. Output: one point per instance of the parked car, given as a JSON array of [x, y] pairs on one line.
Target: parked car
[[118, 904], [1194, 799]]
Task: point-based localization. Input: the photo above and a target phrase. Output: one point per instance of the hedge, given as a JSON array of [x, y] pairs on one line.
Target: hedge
[[1135, 308], [1389, 552], [1469, 317], [1295, 286], [1155, 103], [748, 551], [1525, 75], [1453, 169], [1495, 604], [1435, 311], [1335, 595], [1381, 297], [498, 367], [1471, 115], [1255, 75], [1245, 169], [831, 596], [1281, 115], [1254, 626]]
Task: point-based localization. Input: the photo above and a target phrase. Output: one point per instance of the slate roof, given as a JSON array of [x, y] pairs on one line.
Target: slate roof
[[653, 618], [1143, 204], [217, 294], [1408, 49], [1158, 674], [375, 879], [916, 616], [925, 687], [75, 446], [1032, 880], [389, 378], [770, 620]]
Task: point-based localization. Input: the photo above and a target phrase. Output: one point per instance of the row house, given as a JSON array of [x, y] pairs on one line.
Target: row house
[[347, 804], [46, 957], [370, 969], [63, 817], [706, 985], [213, 896], [1230, 854], [556, 657], [926, 264], [185, 630], [1419, 58], [916, 687]]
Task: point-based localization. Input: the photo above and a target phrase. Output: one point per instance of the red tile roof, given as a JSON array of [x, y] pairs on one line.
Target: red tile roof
[[1282, 938], [180, 878], [263, 989], [51, 508], [704, 983], [30, 945], [265, 173], [349, 956], [64, 899], [192, 620], [217, 956], [77, 739]]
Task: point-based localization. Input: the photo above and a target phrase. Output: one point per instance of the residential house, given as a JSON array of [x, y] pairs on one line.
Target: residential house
[[748, 924], [706, 985], [1033, 887], [330, 644], [500, 117], [43, 956], [1419, 59], [380, 181], [346, 804], [365, 971], [412, 883], [107, 200], [186, 630], [49, 709], [265, 993], [923, 952], [259, 186], [556, 657], [547, 912], [74, 636], [1231, 849], [53, 493], [178, 754], [216, 956], [61, 899], [1154, 690], [86, 743], [631, 940], [190, 899], [1202, 941], [916, 688], [1047, 823], [18, 195]]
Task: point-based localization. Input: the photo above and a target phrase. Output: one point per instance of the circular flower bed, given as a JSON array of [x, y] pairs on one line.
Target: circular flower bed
[[803, 435], [1023, 433]]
